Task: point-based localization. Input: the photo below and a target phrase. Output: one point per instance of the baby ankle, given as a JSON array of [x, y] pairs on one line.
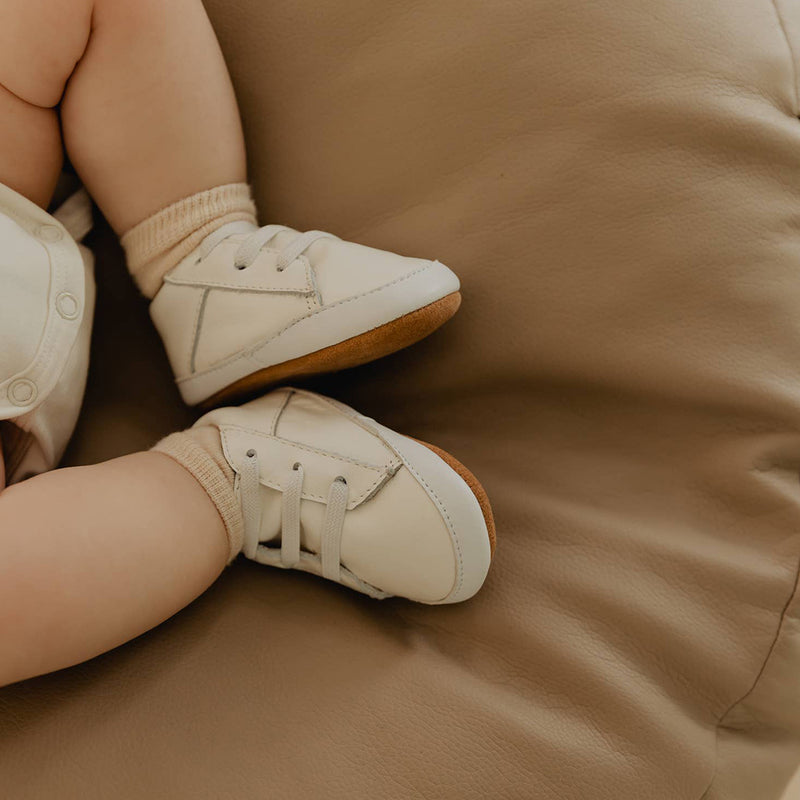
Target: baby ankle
[[157, 244], [199, 451]]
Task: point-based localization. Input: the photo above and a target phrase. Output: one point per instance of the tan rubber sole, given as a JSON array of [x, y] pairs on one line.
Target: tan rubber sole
[[381, 341], [474, 485]]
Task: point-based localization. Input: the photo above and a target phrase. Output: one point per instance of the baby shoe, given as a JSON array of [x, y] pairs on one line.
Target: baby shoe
[[251, 307], [329, 491]]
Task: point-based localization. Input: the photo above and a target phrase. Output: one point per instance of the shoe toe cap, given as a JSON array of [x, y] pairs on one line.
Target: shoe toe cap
[[443, 552], [344, 270]]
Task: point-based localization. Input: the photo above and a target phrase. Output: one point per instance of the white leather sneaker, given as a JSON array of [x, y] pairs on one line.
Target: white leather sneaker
[[251, 307], [328, 491]]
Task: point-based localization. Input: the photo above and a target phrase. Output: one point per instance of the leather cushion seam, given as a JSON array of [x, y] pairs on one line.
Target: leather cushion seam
[[792, 55], [720, 722]]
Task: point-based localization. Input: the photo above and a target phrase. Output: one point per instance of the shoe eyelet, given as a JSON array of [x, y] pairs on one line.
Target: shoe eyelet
[[240, 266], [342, 479], [251, 453], [296, 466]]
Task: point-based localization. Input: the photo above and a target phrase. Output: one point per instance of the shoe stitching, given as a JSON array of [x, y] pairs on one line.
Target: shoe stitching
[[373, 591], [308, 448], [310, 286], [279, 413], [198, 321], [383, 473], [312, 276], [450, 527], [245, 289], [371, 490], [344, 302], [354, 416], [309, 301], [249, 351]]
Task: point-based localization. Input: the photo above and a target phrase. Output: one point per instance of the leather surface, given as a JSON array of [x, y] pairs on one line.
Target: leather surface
[[616, 184]]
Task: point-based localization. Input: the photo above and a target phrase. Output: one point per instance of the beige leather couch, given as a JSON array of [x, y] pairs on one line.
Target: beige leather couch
[[618, 184]]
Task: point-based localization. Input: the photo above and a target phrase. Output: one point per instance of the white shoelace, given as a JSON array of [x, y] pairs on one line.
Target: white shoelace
[[331, 537], [250, 248]]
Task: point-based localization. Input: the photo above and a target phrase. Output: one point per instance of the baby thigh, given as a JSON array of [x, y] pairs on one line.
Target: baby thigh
[[40, 43]]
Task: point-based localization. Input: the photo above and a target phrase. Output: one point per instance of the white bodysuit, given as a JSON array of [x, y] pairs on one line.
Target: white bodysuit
[[47, 296]]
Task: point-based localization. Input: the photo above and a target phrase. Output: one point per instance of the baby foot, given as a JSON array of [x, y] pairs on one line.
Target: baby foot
[[252, 307], [328, 491]]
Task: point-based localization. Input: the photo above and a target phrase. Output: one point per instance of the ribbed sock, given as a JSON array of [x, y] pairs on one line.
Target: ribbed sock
[[199, 450], [159, 243]]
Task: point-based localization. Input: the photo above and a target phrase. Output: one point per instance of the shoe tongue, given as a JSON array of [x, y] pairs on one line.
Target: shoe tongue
[[238, 228], [283, 239], [311, 520], [270, 530], [320, 425]]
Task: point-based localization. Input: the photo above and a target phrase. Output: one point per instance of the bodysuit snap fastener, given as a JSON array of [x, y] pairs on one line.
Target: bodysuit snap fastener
[[49, 233], [22, 392], [67, 305]]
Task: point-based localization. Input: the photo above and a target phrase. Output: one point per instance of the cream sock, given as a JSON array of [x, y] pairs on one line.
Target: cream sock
[[156, 245], [199, 451]]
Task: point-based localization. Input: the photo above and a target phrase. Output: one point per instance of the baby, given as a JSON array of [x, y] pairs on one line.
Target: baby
[[90, 557]]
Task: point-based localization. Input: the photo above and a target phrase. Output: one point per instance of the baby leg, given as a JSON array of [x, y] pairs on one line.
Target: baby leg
[[148, 110], [30, 145], [91, 557], [149, 114], [151, 124]]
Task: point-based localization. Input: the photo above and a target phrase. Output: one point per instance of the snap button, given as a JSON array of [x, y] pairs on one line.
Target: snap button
[[49, 233], [67, 305], [22, 392]]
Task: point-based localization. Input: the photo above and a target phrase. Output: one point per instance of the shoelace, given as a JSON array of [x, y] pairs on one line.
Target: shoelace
[[331, 538], [250, 248]]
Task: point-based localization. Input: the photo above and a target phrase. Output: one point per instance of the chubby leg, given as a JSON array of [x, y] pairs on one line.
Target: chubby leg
[[148, 111], [30, 145], [150, 121], [149, 114], [40, 41], [91, 557]]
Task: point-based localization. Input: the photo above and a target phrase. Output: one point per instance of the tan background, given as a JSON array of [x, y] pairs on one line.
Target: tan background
[[616, 183]]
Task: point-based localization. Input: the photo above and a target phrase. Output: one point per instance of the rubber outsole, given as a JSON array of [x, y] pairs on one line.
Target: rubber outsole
[[369, 346]]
